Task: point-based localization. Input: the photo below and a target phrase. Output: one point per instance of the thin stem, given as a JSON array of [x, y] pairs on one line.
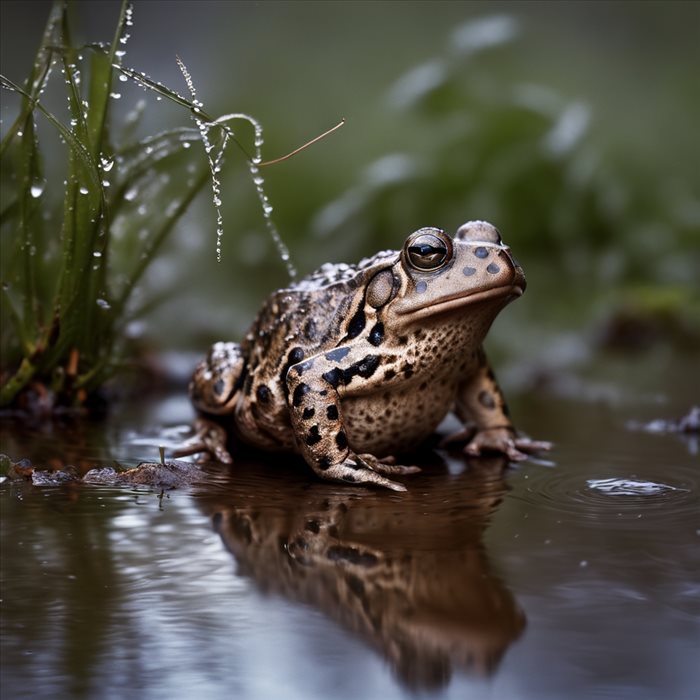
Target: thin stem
[[304, 147]]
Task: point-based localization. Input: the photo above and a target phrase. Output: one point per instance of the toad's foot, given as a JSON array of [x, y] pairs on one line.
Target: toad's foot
[[209, 440], [501, 439], [386, 465], [365, 469], [504, 440]]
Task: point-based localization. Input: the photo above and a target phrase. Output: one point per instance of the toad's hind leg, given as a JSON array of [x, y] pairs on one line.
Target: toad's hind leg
[[214, 389], [217, 379]]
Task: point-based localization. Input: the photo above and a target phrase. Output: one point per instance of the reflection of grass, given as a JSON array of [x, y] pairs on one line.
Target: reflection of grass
[[70, 301]]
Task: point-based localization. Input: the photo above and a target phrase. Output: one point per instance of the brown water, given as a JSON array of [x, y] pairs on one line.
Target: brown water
[[575, 579]]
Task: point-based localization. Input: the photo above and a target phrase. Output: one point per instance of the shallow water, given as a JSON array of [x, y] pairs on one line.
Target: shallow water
[[577, 578]]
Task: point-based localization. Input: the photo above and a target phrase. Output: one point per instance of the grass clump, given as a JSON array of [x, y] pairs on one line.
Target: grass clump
[[66, 300]]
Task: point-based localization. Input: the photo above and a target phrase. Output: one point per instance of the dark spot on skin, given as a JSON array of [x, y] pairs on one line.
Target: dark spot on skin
[[334, 377], [332, 412], [341, 440], [423, 386], [481, 252], [313, 437], [337, 354], [357, 324], [419, 333], [421, 286], [349, 478], [263, 394], [323, 392], [299, 394], [295, 355], [219, 387], [376, 335], [469, 271], [402, 339], [308, 412], [365, 368], [352, 555], [324, 463], [486, 399], [493, 268], [312, 526], [389, 374], [407, 370]]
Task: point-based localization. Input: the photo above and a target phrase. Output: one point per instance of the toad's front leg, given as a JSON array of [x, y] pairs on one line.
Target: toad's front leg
[[315, 388], [481, 401]]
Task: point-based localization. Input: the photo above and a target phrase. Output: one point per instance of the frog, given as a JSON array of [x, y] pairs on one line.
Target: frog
[[354, 364]]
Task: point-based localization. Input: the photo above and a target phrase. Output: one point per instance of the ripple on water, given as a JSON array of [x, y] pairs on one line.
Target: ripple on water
[[599, 502]]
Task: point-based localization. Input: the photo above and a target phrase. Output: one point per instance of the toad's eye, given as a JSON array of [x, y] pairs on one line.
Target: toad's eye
[[428, 251]]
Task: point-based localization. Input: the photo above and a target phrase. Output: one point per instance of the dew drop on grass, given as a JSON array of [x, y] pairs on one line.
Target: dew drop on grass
[[131, 194], [103, 304], [83, 190], [107, 164], [115, 95], [123, 78], [37, 189]]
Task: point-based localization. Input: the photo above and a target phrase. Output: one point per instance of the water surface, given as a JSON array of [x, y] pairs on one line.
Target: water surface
[[577, 578]]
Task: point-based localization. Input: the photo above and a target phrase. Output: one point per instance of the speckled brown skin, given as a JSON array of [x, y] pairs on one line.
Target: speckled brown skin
[[354, 363]]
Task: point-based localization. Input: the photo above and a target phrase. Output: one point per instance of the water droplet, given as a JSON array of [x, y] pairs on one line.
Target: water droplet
[[103, 304], [37, 189], [115, 95], [107, 164], [122, 77], [96, 254], [186, 144], [131, 193], [83, 190]]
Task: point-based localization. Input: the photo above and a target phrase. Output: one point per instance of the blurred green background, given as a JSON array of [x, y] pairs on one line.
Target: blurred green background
[[572, 126]]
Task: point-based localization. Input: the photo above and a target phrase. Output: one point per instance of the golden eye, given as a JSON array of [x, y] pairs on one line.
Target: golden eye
[[428, 249]]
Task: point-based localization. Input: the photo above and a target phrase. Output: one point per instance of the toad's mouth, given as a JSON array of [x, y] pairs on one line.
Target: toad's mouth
[[434, 307]]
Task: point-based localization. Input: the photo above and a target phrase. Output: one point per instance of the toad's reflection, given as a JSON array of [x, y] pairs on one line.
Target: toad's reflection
[[407, 573]]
